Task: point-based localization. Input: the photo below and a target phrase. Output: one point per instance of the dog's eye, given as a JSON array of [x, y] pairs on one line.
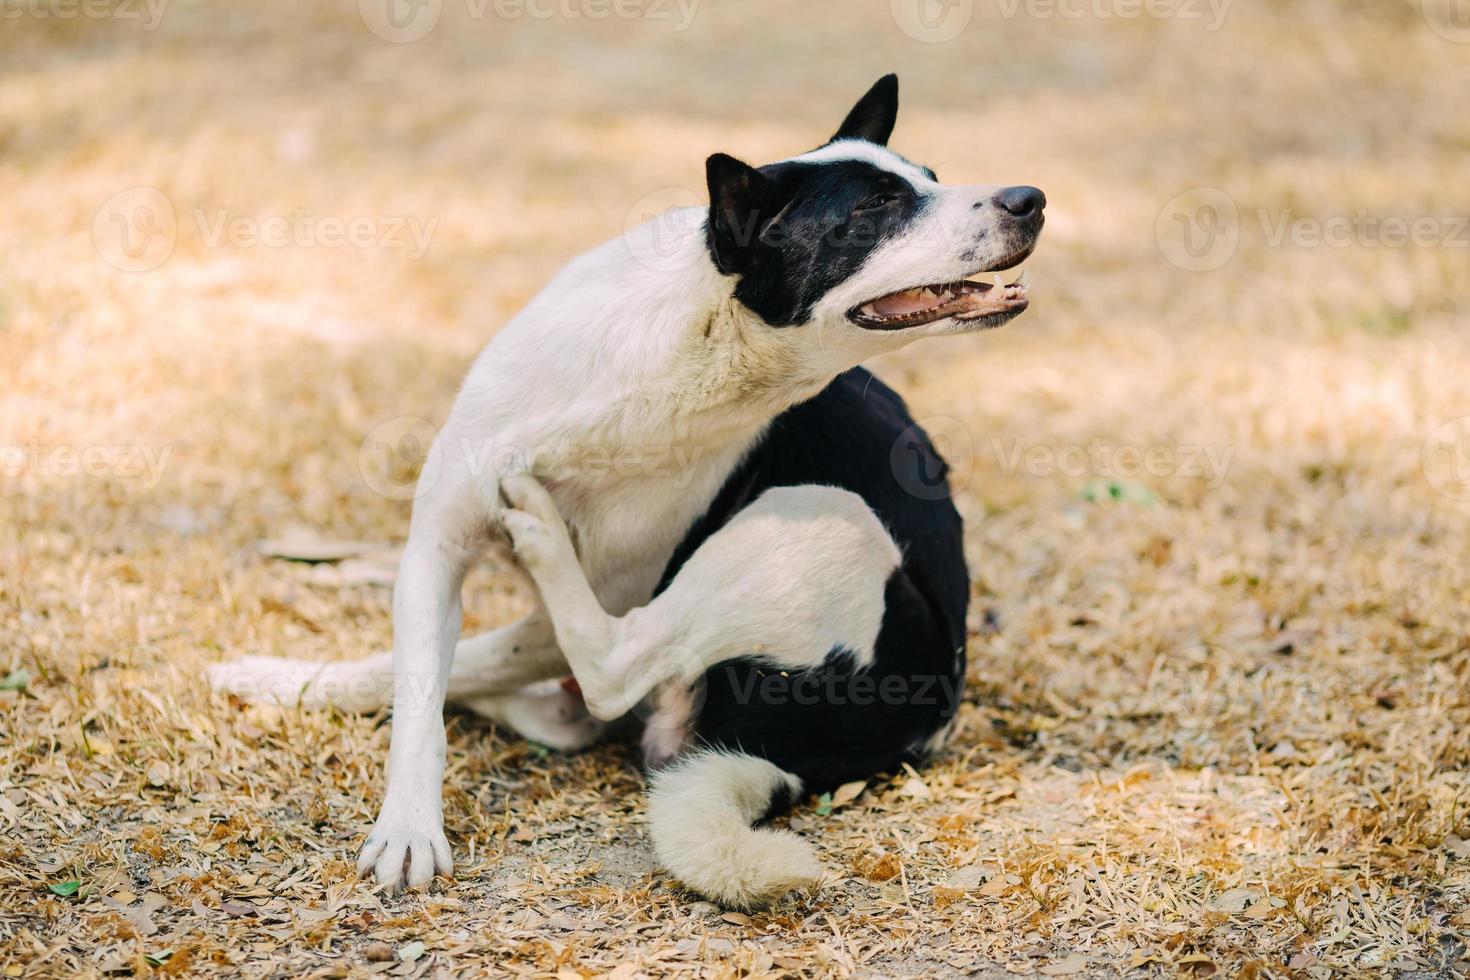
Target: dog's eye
[[875, 201]]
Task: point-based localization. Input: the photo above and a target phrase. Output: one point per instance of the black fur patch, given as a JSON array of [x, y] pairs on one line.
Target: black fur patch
[[833, 723], [794, 230]]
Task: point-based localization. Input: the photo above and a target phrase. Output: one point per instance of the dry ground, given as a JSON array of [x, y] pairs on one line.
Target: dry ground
[[1218, 707]]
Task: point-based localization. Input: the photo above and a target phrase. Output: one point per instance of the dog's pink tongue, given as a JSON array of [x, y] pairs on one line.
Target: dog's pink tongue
[[909, 301]]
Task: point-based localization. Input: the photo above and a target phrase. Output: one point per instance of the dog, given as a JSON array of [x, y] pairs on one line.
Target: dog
[[789, 614]]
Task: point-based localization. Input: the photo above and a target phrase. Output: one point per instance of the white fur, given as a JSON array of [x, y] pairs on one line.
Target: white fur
[[699, 816], [655, 364]]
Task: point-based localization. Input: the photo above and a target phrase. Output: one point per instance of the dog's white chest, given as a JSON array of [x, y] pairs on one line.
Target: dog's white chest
[[626, 527]]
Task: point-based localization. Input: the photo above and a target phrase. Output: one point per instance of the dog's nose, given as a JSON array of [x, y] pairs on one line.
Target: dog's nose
[[1021, 201]]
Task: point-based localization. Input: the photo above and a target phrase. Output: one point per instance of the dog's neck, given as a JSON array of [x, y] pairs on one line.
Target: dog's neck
[[631, 348]]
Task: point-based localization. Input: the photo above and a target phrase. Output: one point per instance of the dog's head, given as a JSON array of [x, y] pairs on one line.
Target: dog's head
[[853, 234]]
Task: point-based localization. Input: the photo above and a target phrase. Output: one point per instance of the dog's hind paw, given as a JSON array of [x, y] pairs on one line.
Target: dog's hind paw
[[547, 712], [355, 685]]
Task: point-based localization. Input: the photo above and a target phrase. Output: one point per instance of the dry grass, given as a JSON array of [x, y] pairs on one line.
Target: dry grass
[[1218, 727]]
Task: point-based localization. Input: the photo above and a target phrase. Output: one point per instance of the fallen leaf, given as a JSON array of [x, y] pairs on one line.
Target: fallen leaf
[[1199, 964], [966, 878], [306, 545], [378, 953], [915, 789], [1234, 901], [66, 889], [1065, 968], [878, 867], [410, 952], [944, 897], [1261, 909], [1141, 957]]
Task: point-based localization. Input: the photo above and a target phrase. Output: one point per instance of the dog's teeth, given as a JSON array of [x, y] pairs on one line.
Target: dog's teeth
[[1021, 279], [999, 283]]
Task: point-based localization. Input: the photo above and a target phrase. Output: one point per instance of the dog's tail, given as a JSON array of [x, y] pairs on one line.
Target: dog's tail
[[700, 812]]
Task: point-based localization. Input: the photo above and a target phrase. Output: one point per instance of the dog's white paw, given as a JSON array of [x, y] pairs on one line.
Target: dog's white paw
[[536, 529], [401, 854], [267, 680], [548, 713], [356, 685], [524, 493]]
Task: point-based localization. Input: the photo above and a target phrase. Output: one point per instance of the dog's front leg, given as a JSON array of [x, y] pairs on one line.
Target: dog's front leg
[[452, 521]]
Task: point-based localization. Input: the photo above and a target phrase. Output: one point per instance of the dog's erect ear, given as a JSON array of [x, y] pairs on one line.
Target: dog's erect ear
[[873, 117], [739, 199]]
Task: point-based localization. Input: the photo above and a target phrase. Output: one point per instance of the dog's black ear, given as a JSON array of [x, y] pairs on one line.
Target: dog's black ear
[[875, 114], [739, 197]]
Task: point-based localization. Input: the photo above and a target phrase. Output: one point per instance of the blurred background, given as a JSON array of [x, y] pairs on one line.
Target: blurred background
[[1217, 479]]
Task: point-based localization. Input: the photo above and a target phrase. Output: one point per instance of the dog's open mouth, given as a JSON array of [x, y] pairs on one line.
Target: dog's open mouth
[[994, 302]]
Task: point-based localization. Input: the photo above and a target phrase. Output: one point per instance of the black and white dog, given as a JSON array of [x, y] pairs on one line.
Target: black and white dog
[[787, 616]]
